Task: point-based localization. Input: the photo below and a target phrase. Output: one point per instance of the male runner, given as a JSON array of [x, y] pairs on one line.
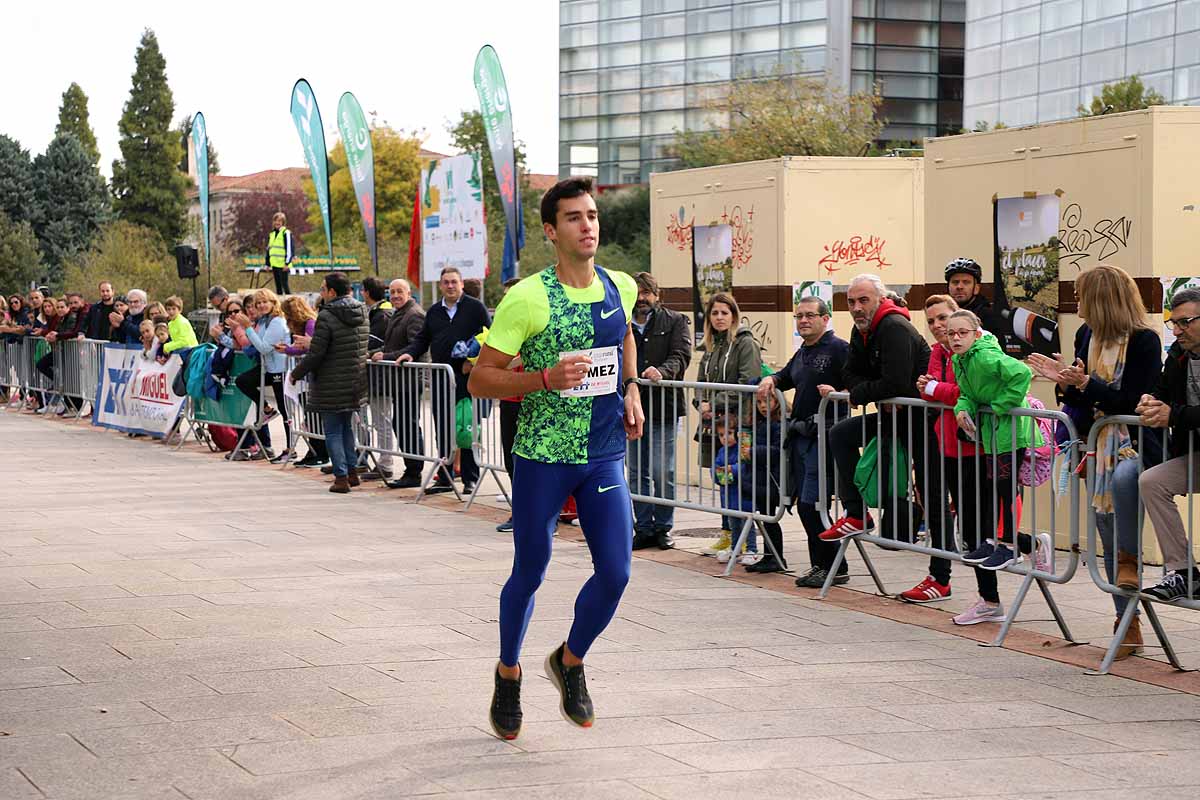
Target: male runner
[[570, 325]]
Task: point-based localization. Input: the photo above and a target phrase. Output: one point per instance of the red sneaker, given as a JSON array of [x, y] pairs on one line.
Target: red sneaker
[[844, 528], [927, 591]]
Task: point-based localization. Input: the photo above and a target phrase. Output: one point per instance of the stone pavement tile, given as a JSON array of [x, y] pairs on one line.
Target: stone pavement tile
[[740, 658], [413, 713], [99, 694], [144, 618], [763, 784], [367, 751], [970, 689], [652, 704], [349, 679], [143, 777], [1174, 767], [956, 744], [856, 672], [326, 653], [10, 610], [188, 735], [826, 694], [32, 677], [787, 724], [249, 703], [21, 624], [31, 594], [59, 748], [967, 715], [148, 669], [1006, 664], [1095, 794], [156, 601], [143, 589], [532, 769], [696, 637], [48, 721], [15, 786], [1135, 709], [607, 732], [593, 790], [399, 635], [672, 679], [868, 630], [372, 618], [824, 653], [1025, 776], [754, 754], [1102, 685], [85, 580], [73, 638], [1169, 735]]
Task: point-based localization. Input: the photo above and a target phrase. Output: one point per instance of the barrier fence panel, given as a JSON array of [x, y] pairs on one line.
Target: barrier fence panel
[[77, 371], [489, 444], [1116, 485], [733, 465], [306, 424], [410, 415], [227, 411], [946, 506]]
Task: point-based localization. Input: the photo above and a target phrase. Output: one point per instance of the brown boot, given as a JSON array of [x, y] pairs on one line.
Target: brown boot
[[353, 477], [341, 485], [1127, 572], [1132, 643]]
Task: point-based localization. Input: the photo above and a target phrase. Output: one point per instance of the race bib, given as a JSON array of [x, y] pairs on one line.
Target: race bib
[[603, 375]]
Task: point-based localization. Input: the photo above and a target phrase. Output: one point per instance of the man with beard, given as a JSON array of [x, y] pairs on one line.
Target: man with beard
[[664, 350], [98, 324]]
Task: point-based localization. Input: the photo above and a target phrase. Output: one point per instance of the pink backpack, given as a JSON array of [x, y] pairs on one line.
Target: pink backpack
[[1030, 475]]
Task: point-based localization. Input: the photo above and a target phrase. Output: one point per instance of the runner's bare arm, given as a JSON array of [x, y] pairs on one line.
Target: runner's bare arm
[[492, 378], [634, 416]]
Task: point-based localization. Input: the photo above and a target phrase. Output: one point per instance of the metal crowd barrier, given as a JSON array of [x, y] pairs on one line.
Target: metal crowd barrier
[[1147, 440], [197, 422], [744, 491], [405, 403], [77, 370], [487, 446], [904, 421]]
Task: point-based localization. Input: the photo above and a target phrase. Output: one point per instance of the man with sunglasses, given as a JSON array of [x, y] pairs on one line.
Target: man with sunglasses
[[1175, 404]]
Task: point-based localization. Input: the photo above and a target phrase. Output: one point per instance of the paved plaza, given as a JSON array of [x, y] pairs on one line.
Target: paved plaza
[[175, 626]]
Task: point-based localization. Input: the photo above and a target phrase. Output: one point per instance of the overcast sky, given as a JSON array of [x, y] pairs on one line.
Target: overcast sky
[[236, 61]]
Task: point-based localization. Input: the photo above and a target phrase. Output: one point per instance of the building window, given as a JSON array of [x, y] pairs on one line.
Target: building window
[[1061, 14]]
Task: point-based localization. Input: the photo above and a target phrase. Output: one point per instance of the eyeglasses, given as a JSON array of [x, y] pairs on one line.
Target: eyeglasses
[[1183, 323], [807, 315], [958, 334]]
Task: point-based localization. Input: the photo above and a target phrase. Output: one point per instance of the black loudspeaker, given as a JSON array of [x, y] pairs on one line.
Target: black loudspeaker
[[187, 260]]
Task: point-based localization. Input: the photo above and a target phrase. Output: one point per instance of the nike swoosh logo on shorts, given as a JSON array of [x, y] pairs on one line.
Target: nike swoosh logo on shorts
[[603, 489], [608, 313]]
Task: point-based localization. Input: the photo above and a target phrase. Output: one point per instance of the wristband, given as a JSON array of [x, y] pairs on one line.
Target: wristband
[[546, 379], [625, 384]]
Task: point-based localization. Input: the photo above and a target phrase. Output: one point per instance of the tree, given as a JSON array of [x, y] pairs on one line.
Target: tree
[[183, 129], [782, 115], [1127, 95], [18, 200], [73, 199], [397, 172], [148, 188], [20, 257], [73, 118], [252, 212], [624, 215], [131, 257]]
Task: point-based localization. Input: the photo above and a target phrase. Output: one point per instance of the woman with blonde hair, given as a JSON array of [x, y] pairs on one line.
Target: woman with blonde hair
[[301, 322], [1118, 357], [267, 330]]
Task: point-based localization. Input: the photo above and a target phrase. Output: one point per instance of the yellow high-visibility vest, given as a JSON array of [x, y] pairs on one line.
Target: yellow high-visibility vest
[[277, 249]]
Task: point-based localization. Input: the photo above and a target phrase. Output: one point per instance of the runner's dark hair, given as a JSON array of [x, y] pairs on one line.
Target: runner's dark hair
[[563, 190]]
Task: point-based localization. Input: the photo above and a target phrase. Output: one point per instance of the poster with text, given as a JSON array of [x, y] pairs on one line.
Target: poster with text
[[1025, 317], [1170, 287], [821, 289], [453, 233], [134, 394], [712, 268]]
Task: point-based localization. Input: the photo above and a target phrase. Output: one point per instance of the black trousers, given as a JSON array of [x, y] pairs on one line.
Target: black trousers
[[247, 382], [281, 281], [406, 423], [966, 485], [509, 412]]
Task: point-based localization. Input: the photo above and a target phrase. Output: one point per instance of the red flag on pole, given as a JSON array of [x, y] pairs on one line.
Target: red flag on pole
[[414, 245]]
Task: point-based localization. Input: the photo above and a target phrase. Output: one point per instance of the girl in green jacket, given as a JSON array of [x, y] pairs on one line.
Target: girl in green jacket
[[988, 377]]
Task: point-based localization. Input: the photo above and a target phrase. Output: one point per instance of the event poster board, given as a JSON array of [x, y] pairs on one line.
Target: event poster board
[[1170, 287], [453, 233], [232, 407], [821, 289], [712, 268], [134, 394], [1026, 249]]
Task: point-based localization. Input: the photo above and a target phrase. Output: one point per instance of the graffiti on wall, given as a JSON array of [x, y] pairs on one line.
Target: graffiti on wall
[[742, 223], [1079, 241], [679, 233], [761, 330], [854, 251]]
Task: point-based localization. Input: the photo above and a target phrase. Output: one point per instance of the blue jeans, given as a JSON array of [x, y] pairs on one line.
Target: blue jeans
[[339, 440], [651, 472], [1119, 530]]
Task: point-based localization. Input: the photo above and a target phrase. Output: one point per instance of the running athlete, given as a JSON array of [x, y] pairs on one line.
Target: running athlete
[[570, 323]]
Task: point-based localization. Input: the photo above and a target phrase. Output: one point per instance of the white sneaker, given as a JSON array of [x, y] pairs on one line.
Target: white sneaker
[[724, 555], [982, 611], [749, 558], [1043, 553]]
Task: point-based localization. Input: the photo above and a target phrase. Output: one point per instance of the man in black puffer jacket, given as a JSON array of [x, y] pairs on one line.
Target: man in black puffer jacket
[[337, 358]]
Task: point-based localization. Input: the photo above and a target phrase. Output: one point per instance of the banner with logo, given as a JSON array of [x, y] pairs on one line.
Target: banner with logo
[[134, 394], [1025, 317], [360, 159], [712, 268], [200, 146], [497, 122], [1170, 287], [453, 233], [307, 117], [819, 289]]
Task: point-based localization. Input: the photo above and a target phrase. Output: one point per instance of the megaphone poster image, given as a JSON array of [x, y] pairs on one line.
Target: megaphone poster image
[[1025, 316]]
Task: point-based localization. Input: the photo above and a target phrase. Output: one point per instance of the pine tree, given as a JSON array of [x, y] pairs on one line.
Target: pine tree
[[148, 188], [73, 198], [73, 118], [17, 198], [20, 258]]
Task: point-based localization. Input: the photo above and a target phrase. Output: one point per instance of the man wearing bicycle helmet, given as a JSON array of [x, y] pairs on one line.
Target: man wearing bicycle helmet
[[964, 281]]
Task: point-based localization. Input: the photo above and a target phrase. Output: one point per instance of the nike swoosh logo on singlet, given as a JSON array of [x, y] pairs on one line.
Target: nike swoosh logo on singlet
[[603, 489], [608, 313]]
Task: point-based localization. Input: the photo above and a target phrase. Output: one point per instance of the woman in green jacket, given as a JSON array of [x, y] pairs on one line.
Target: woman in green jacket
[[988, 377]]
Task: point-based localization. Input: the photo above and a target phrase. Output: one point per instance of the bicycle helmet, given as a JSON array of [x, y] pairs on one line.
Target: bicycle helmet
[[964, 265]]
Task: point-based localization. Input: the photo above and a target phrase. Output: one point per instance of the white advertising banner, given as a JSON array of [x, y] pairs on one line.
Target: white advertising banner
[[453, 232], [134, 394]]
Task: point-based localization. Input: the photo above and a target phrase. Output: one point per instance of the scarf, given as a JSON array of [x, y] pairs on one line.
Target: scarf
[[1108, 364]]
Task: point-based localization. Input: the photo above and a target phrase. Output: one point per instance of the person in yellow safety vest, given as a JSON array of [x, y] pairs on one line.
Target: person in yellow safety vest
[[279, 253]]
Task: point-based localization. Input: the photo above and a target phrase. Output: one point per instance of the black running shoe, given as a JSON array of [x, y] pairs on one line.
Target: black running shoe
[[980, 554], [1172, 588], [506, 715], [576, 705]]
